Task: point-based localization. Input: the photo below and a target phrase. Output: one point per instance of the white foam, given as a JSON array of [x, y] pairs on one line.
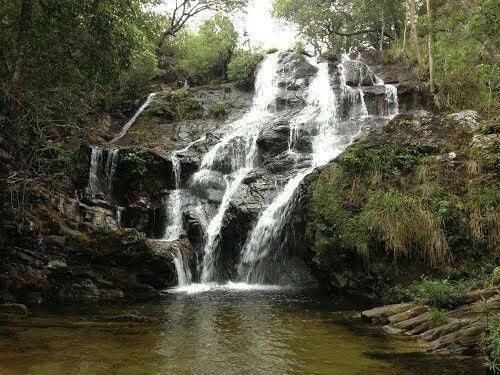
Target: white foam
[[230, 286]]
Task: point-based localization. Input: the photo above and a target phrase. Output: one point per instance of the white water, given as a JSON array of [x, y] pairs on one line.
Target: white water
[[131, 122], [322, 108], [391, 100], [196, 288], [119, 212], [182, 269], [173, 229], [244, 133], [102, 169]]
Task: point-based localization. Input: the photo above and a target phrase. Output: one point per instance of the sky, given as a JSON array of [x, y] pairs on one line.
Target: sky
[[262, 28]]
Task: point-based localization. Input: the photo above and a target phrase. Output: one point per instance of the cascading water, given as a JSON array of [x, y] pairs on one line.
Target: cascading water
[[333, 116], [182, 269], [131, 122], [241, 141], [103, 162], [102, 168], [173, 229], [323, 108]]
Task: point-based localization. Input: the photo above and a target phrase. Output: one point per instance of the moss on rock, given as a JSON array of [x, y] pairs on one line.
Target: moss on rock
[[407, 201]]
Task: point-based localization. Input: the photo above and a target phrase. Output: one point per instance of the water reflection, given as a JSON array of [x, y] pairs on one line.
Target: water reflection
[[223, 331]]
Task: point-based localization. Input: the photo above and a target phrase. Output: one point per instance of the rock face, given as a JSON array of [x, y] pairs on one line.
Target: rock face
[[83, 262], [161, 152], [460, 334]]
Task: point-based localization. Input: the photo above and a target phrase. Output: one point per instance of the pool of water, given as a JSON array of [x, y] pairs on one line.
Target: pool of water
[[232, 329]]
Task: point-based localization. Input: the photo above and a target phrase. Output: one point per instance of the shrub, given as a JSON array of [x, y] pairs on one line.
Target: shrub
[[491, 346], [271, 50], [495, 276], [135, 164], [299, 47], [218, 109], [437, 293], [243, 65], [438, 317]]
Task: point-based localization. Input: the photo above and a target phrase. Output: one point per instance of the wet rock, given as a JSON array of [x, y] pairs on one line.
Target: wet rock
[[209, 185], [358, 74], [381, 314], [460, 335], [275, 140], [296, 66]]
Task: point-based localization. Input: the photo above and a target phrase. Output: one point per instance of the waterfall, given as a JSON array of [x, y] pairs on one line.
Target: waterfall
[[173, 229], [102, 169], [391, 100], [131, 122], [182, 269], [322, 108], [241, 141]]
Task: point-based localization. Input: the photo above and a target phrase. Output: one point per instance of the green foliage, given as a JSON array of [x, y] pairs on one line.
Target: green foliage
[[437, 293], [337, 25], [465, 48], [185, 106], [218, 109], [402, 223], [299, 47], [207, 53], [491, 346], [495, 275], [82, 59], [271, 50], [391, 159], [135, 164], [438, 317], [243, 65]]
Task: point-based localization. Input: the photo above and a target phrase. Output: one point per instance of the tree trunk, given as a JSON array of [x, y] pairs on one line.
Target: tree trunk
[[429, 46], [25, 20], [405, 28], [413, 30], [382, 35]]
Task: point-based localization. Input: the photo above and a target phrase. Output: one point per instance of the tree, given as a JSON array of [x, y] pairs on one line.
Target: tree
[[184, 10], [412, 9], [206, 53], [25, 21], [326, 24], [429, 46], [63, 63]]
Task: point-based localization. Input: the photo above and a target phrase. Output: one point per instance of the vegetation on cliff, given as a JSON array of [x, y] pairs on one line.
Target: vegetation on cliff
[[424, 190]]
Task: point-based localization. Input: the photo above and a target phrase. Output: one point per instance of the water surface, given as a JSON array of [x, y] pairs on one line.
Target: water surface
[[216, 330]]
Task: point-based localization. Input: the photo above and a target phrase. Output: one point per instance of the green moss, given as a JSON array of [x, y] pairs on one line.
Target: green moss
[[271, 50], [399, 198], [218, 109]]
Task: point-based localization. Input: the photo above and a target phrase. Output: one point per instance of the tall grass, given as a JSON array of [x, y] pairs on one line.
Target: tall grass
[[404, 225]]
